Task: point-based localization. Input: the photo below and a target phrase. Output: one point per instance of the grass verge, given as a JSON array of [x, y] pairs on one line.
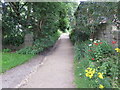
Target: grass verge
[[10, 60]]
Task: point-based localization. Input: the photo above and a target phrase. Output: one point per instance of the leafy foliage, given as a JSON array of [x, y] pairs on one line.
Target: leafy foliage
[[100, 56], [40, 44], [95, 54], [41, 19], [90, 14]]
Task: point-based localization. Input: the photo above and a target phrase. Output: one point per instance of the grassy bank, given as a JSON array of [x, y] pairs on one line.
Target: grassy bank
[[10, 60]]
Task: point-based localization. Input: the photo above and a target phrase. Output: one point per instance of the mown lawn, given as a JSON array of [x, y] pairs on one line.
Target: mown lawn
[[10, 60]]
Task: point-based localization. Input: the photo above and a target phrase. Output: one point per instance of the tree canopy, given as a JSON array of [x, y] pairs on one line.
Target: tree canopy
[[38, 18]]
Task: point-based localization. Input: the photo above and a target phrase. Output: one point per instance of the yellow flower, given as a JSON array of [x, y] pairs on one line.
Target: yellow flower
[[93, 71], [89, 72], [90, 69], [91, 75], [117, 49], [86, 71], [101, 86], [100, 75]]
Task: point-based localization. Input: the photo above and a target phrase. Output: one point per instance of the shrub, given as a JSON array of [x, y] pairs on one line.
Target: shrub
[[6, 50], [40, 44], [77, 35]]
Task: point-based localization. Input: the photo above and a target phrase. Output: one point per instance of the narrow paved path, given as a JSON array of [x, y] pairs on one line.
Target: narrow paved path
[[57, 68]]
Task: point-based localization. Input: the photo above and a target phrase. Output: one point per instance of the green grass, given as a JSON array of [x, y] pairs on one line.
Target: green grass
[[10, 60]]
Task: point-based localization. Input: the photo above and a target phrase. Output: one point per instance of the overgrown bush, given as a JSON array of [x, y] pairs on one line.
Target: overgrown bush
[[78, 35], [13, 40], [40, 44]]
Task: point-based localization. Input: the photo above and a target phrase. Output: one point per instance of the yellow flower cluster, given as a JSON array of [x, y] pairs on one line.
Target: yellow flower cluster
[[117, 49], [89, 72], [101, 86], [100, 75]]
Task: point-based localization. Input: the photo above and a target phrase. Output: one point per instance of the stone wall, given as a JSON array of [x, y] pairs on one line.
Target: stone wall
[[109, 33], [28, 40]]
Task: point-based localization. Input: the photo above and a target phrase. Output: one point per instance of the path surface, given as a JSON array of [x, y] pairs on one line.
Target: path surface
[[57, 68], [13, 77]]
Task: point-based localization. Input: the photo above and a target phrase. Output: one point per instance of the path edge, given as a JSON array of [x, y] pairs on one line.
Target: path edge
[[49, 52]]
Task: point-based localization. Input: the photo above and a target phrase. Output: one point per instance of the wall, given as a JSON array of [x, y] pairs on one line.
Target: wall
[[109, 33]]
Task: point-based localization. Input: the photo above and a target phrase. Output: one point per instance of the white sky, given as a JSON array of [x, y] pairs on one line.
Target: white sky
[[2, 1]]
